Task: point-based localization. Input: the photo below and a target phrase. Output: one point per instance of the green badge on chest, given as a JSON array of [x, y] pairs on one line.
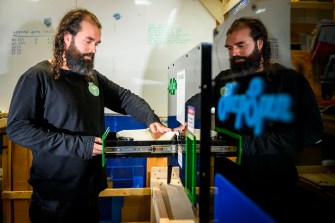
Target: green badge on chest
[[93, 89]]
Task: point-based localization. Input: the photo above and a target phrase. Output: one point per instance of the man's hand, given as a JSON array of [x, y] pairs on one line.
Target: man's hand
[[181, 129], [157, 127], [97, 147]]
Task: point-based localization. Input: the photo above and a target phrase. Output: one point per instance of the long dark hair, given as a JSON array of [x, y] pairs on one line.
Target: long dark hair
[[258, 32], [70, 23]]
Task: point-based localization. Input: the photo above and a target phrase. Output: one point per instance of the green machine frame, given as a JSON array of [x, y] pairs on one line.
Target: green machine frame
[[190, 166]]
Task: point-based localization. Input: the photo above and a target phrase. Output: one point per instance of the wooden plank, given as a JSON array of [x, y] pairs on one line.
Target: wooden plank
[[312, 169], [21, 163], [9, 195], [125, 192], [159, 176], [21, 211], [6, 181], [12, 195], [313, 5], [215, 8], [177, 203], [321, 179], [3, 122], [159, 207], [152, 162]]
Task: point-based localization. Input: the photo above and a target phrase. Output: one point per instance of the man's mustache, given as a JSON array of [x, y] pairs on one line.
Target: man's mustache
[[88, 54], [235, 58]]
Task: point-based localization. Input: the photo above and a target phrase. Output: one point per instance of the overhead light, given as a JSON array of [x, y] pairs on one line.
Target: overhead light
[[142, 2], [260, 11]]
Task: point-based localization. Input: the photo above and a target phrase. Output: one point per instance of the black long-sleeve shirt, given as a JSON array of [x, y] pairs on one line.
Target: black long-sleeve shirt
[[306, 128], [58, 119], [267, 172]]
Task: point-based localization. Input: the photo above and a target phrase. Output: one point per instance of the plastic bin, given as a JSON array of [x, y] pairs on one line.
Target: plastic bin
[[121, 122]]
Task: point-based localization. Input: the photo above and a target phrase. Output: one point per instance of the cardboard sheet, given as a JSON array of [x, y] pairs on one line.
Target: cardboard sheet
[[144, 135]]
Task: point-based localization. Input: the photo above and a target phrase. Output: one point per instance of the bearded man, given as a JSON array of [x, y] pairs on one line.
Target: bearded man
[[267, 172], [57, 111]]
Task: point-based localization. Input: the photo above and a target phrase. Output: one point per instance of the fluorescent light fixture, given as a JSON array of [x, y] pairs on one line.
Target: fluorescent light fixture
[[260, 11], [142, 2]]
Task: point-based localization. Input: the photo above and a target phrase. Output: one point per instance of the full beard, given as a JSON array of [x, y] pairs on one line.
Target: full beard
[[250, 64], [77, 63]]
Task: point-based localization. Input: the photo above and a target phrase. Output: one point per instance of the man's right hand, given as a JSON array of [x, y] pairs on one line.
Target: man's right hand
[[97, 147]]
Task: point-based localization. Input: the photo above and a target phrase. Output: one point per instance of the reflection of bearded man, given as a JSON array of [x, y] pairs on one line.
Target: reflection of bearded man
[[76, 61], [249, 64]]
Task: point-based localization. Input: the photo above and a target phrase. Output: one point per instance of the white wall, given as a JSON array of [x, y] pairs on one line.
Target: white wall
[[139, 41]]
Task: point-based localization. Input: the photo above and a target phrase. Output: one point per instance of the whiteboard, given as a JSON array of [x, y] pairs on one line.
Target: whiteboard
[[25, 39], [140, 39]]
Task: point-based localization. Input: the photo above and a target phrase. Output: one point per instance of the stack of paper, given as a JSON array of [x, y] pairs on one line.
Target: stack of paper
[[144, 135]]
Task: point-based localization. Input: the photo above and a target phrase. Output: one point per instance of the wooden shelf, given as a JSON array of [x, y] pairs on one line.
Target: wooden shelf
[[219, 8], [318, 179], [314, 5]]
